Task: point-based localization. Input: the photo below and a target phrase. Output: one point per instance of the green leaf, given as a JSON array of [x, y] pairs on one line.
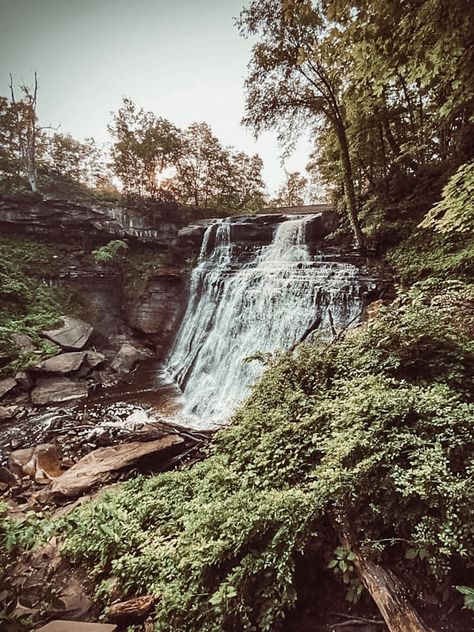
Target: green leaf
[[468, 593]]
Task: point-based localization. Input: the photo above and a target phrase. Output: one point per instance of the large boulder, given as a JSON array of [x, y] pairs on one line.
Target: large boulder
[[6, 386], [95, 466], [62, 363], [41, 463], [73, 334], [53, 390], [126, 358]]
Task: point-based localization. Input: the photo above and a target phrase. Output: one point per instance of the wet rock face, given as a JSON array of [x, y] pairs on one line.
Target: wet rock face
[[157, 310]]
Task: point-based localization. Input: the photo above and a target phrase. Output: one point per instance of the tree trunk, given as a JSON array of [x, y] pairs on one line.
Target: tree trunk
[[31, 162], [385, 588], [349, 184]]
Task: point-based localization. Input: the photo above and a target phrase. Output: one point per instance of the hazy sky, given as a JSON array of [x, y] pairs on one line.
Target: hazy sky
[[182, 59]]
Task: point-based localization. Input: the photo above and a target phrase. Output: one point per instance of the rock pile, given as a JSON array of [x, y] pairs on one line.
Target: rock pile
[[67, 375]]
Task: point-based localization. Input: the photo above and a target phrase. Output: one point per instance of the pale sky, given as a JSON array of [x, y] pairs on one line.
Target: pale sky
[[182, 59]]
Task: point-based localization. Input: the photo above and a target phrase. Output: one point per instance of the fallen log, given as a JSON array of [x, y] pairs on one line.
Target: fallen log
[[387, 591]]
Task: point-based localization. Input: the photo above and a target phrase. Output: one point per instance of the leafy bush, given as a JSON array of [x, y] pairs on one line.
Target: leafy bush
[[109, 252], [27, 303], [455, 212], [371, 429], [443, 243]]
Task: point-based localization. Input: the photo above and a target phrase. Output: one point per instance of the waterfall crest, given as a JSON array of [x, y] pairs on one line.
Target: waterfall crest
[[245, 300]]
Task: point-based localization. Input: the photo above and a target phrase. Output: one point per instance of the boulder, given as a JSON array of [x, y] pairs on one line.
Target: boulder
[[73, 334], [126, 358], [6, 386], [52, 390], [8, 412], [62, 363], [8, 478], [94, 358], [24, 380], [23, 342], [95, 466], [41, 463]]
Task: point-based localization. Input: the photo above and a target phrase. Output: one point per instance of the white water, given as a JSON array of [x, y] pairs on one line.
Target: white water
[[237, 308]]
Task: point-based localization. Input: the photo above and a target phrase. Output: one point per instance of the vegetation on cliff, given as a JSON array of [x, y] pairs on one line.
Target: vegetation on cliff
[[27, 303]]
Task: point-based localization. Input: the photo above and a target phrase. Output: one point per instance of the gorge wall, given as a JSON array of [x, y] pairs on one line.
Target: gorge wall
[[204, 295]]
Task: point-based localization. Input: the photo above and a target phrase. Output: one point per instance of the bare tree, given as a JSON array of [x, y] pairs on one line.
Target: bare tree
[[27, 129]]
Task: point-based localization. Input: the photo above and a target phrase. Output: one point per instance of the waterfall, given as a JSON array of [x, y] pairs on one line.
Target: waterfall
[[245, 300]]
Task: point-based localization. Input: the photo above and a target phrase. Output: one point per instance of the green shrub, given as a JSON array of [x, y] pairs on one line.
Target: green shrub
[[109, 252], [455, 211], [443, 243], [27, 303]]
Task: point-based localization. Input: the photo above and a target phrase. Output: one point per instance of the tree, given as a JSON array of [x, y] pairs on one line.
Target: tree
[[408, 97], [293, 192], [145, 145], [70, 159], [245, 182], [26, 128], [202, 167], [296, 78], [10, 167]]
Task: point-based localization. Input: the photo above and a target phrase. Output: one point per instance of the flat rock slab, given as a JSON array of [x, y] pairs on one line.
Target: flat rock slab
[[53, 390], [94, 467], [76, 626], [62, 363], [6, 386], [73, 334]]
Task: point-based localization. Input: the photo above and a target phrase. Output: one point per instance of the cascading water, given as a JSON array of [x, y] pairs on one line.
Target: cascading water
[[242, 303]]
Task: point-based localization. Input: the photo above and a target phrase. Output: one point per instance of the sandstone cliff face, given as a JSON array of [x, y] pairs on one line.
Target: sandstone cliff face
[[152, 314], [157, 310], [66, 221]]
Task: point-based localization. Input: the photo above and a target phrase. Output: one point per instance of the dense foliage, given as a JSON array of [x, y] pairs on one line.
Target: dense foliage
[[385, 87], [27, 303], [371, 429], [442, 245]]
